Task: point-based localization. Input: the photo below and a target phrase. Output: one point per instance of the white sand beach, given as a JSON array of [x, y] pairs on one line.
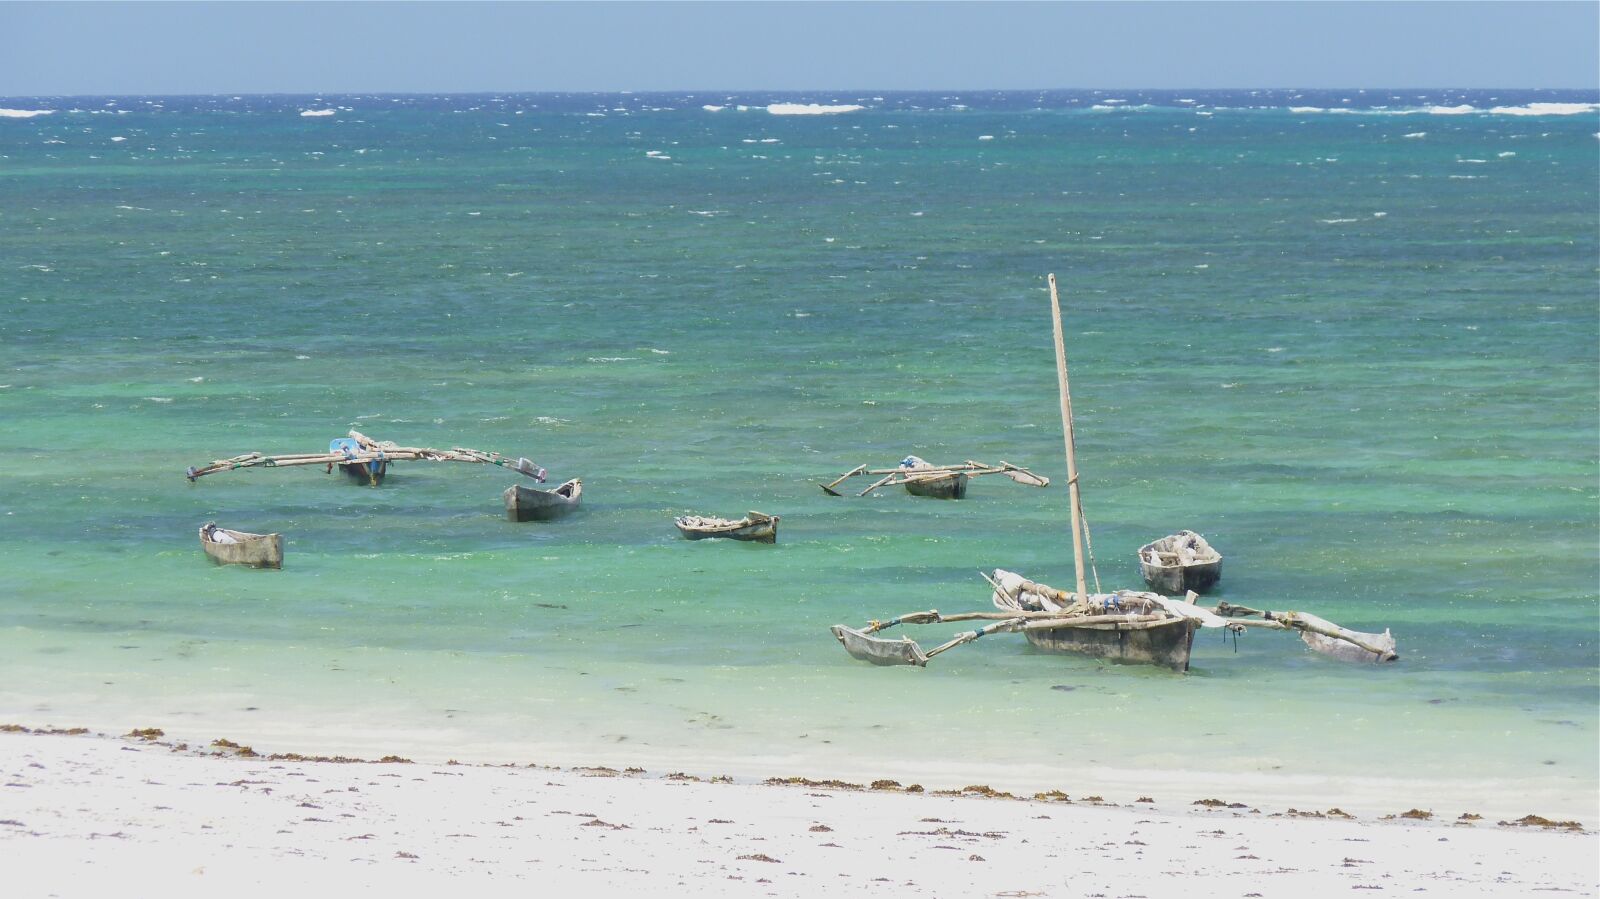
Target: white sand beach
[[91, 814]]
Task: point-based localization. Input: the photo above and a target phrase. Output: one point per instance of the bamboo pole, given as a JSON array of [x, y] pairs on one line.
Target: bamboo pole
[[1066, 425], [828, 488], [875, 486]]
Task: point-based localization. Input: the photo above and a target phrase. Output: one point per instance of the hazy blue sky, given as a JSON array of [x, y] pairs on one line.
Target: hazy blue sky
[[282, 47]]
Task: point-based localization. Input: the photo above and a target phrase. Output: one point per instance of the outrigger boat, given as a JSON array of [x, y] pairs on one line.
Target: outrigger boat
[[228, 547], [922, 478], [755, 526], [366, 460], [1123, 626], [532, 504], [1182, 562]]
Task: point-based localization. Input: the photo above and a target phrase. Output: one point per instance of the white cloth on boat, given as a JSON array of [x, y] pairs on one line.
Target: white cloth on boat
[[1206, 617]]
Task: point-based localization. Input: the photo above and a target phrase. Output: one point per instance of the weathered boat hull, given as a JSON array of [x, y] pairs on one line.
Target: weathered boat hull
[[1166, 645], [945, 486], [254, 550], [762, 530], [1176, 564], [532, 504], [369, 473], [1176, 580]]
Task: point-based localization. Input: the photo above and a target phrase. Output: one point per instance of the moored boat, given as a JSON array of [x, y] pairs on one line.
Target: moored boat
[[532, 504], [1125, 626], [938, 484], [229, 547], [755, 527], [1182, 562], [369, 472]]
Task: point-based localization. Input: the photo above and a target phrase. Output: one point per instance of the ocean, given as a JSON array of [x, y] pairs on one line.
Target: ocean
[[1352, 338]]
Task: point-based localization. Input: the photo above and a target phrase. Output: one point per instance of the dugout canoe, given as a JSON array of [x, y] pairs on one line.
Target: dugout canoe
[[370, 473], [1128, 626], [755, 527], [532, 504], [936, 484], [1179, 563], [228, 547]]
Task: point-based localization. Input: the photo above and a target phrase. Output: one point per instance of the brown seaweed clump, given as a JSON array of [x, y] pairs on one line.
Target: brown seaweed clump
[[807, 782], [147, 733], [1541, 821], [240, 751]]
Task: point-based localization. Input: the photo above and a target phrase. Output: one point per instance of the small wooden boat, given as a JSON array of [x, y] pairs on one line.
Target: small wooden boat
[[227, 547], [754, 526], [1182, 562], [936, 483], [369, 472], [531, 504], [1124, 626]]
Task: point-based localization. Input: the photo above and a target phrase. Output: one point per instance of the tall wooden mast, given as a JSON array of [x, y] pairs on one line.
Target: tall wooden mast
[[1074, 499]]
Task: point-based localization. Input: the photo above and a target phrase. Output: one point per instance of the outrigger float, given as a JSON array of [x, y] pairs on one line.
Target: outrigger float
[[367, 460], [921, 478], [1123, 626]]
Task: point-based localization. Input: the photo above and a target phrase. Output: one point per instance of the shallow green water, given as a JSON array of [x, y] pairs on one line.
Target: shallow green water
[[1357, 351]]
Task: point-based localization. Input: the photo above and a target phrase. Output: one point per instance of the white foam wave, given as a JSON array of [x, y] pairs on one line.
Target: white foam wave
[[985, 137], [812, 108], [1336, 221], [1415, 134], [709, 108], [23, 113], [312, 113], [1547, 109]]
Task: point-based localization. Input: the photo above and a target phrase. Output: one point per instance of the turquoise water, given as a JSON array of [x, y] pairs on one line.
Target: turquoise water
[[1357, 350]]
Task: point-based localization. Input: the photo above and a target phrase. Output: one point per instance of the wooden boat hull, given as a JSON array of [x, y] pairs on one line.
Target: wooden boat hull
[[943, 486], [369, 473], [1166, 646], [1176, 580], [1179, 563], [532, 504], [254, 550], [764, 530]]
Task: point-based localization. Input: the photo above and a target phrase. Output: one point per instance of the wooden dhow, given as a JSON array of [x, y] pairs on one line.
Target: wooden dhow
[[230, 547], [533, 504], [366, 460], [1180, 563], [1121, 626], [755, 526], [922, 478]]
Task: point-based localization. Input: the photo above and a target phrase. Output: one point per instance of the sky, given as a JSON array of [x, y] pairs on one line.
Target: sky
[[120, 48]]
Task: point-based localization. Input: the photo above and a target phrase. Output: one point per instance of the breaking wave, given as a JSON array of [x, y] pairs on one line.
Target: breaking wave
[[812, 108]]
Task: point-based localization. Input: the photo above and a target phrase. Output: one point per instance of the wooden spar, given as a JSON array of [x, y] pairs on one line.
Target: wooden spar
[[828, 488], [886, 479], [1073, 499]]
